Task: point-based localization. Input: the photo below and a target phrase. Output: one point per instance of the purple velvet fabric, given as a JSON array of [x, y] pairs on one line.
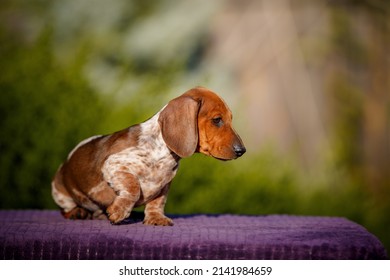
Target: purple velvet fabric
[[37, 234]]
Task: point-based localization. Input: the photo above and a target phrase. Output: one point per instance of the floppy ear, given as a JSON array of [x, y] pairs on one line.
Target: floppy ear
[[179, 125]]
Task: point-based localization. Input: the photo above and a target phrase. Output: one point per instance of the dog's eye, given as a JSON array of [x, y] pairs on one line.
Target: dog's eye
[[217, 121]]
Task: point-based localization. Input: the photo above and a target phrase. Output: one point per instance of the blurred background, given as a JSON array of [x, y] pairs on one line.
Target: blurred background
[[308, 82]]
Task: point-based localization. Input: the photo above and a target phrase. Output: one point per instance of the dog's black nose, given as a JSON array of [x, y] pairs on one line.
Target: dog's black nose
[[239, 150]]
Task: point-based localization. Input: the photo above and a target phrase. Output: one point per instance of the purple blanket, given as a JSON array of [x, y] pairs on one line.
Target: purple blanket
[[36, 234]]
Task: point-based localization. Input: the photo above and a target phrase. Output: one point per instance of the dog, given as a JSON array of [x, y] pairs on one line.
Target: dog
[[106, 176]]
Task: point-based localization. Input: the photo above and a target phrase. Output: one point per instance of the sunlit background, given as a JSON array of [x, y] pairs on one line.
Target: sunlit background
[[308, 83]]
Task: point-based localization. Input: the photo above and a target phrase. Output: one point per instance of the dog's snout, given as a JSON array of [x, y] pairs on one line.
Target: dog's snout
[[239, 150]]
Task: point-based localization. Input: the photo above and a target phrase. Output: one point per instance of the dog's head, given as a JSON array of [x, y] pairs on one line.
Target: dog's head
[[200, 121]]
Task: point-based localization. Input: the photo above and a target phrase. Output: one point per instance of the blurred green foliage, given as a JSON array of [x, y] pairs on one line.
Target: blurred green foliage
[[261, 185], [359, 94], [47, 106]]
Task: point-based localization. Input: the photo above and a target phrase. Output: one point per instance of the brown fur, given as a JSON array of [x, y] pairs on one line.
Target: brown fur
[[197, 121]]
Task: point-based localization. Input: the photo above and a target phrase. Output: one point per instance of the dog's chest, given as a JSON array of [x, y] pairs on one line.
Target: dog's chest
[[150, 161]]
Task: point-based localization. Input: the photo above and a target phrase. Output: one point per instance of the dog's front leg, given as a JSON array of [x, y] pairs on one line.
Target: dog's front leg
[[127, 188], [154, 210]]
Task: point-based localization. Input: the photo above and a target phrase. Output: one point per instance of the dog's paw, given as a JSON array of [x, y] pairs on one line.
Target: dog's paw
[[116, 214], [77, 213], [157, 220]]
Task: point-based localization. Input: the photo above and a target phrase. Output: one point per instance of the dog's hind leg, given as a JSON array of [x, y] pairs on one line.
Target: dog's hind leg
[[63, 199]]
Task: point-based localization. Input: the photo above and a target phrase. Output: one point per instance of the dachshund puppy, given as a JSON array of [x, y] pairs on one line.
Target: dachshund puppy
[[108, 175]]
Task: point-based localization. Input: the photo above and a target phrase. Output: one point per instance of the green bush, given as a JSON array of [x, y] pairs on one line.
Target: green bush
[[249, 185], [46, 108]]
